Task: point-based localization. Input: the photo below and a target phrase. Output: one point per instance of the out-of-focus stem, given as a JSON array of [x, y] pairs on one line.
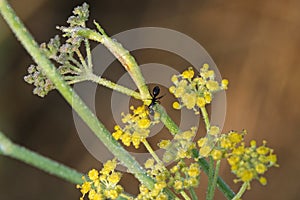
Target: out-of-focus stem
[[8, 148]]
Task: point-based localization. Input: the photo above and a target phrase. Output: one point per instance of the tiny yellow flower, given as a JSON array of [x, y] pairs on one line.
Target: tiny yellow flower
[[193, 171], [207, 97], [193, 182], [85, 188], [144, 123], [149, 163], [205, 67], [201, 102], [117, 134], [136, 139], [93, 174], [202, 141], [225, 84], [235, 137], [113, 194], [253, 143], [246, 175], [181, 153], [172, 89], [176, 105], [174, 79], [216, 154], [178, 185], [143, 190], [272, 159], [174, 169], [109, 166], [188, 74], [233, 160], [161, 196], [262, 150], [126, 139], [212, 85], [204, 151], [263, 180], [189, 100], [114, 178], [260, 168], [164, 144], [179, 92], [214, 130]]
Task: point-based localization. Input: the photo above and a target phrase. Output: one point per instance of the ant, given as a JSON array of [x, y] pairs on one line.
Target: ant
[[155, 99]]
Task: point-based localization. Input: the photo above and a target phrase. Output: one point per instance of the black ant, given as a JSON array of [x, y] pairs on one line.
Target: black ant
[[155, 99]]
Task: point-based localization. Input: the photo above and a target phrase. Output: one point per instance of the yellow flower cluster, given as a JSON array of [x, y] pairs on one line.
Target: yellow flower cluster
[[102, 184], [183, 176], [179, 177], [180, 147], [247, 163], [156, 193], [137, 127], [195, 92], [206, 144]]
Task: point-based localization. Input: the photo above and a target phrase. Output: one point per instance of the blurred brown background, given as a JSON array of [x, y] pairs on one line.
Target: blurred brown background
[[255, 44]]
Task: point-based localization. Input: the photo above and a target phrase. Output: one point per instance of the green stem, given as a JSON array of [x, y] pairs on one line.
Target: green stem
[[153, 154], [241, 191], [213, 183], [113, 86], [185, 196], [193, 193], [222, 186], [88, 54], [71, 97], [166, 120], [210, 178], [83, 63], [125, 196], [206, 118], [8, 148], [78, 65], [123, 55]]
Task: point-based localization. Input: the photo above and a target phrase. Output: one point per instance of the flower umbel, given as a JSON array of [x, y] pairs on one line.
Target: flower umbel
[[70, 61], [102, 184], [195, 92], [180, 147], [247, 163], [137, 127]]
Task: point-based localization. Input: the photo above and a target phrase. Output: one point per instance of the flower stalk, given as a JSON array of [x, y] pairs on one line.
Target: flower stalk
[[10, 149]]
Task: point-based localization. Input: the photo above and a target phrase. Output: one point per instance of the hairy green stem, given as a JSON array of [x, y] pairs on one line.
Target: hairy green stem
[[241, 191], [210, 178], [222, 186], [167, 120], [123, 55], [88, 54], [205, 118], [193, 193], [213, 183], [71, 97], [113, 86], [8, 148], [185, 196], [153, 154]]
